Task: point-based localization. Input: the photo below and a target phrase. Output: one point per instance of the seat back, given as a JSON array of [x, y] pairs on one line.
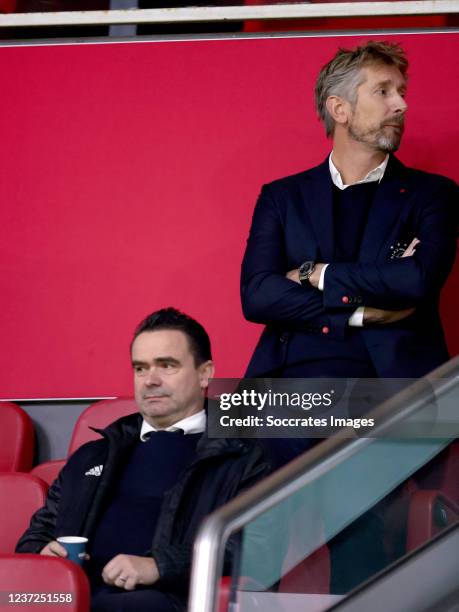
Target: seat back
[[16, 439], [429, 513], [312, 575], [441, 473], [50, 576], [49, 470], [20, 496], [100, 414]]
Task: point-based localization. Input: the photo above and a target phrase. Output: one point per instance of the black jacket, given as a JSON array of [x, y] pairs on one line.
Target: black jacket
[[220, 470], [293, 222]]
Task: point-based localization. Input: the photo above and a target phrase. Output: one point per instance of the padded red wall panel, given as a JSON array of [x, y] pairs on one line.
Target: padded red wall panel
[[129, 173]]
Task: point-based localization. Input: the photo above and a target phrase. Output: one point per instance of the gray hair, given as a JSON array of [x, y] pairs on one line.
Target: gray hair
[[343, 74]]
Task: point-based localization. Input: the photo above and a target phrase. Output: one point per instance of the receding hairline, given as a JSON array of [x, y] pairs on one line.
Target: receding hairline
[[188, 340], [162, 329]]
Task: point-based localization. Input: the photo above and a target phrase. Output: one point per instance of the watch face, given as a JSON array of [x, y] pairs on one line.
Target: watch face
[[306, 269]]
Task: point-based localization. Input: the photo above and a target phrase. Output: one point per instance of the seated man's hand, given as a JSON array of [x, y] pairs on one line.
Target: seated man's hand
[[384, 317], [127, 571], [54, 549]]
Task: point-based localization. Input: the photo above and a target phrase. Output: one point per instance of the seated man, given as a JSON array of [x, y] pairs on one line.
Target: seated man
[[159, 475]]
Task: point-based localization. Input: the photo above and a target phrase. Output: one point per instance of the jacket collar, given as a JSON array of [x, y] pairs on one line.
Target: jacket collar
[[126, 431], [318, 195], [124, 428]]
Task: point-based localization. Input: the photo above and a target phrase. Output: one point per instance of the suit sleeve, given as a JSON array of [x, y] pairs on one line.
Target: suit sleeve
[[407, 281], [267, 295]]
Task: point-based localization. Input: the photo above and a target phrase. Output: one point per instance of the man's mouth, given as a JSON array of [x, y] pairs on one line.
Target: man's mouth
[[154, 397], [398, 123]]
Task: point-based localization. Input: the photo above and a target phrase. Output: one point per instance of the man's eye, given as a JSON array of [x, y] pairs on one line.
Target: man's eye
[[169, 366], [382, 91], [139, 370]]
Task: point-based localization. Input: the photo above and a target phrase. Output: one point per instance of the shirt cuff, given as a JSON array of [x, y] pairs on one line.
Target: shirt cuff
[[356, 319], [322, 278]]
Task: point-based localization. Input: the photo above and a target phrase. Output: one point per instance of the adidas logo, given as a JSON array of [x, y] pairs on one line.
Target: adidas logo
[[95, 471]]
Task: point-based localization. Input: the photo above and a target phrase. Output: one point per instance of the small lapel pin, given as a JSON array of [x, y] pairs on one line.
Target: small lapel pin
[[398, 249]]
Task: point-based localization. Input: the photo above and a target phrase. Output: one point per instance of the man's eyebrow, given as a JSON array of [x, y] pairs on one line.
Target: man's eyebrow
[[165, 359], [388, 82], [136, 362], [384, 83]]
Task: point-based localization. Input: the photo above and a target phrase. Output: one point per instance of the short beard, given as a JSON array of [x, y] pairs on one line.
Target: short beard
[[376, 137], [387, 145], [380, 142]]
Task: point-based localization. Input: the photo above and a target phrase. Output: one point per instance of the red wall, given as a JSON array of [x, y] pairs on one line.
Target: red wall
[[129, 173]]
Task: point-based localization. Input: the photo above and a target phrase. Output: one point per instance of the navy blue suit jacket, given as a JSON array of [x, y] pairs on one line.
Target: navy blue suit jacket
[[293, 223]]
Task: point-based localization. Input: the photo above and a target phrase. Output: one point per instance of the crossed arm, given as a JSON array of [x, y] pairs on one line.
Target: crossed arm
[[371, 315], [389, 290]]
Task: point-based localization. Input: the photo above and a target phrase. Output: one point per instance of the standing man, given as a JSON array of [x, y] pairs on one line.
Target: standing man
[[345, 261], [158, 476]]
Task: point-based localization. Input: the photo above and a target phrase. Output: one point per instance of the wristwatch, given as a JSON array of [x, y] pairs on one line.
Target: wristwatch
[[305, 271]]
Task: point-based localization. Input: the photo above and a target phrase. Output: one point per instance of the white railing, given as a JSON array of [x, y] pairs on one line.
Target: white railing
[[231, 13]]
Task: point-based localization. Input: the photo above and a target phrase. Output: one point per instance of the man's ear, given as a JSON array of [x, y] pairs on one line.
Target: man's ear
[[206, 372], [339, 109]]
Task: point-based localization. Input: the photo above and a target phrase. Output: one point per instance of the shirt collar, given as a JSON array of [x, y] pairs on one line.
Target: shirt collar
[[196, 423], [374, 175]]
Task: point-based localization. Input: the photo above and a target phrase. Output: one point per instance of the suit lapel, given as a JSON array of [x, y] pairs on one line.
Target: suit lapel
[[319, 198], [389, 200]]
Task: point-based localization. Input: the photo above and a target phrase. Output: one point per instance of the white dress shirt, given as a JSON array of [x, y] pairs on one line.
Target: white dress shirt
[[356, 319], [195, 423]]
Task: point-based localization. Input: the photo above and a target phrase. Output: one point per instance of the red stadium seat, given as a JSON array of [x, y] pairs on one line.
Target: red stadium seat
[[17, 439], [450, 481], [50, 576], [49, 470], [20, 496], [8, 6], [98, 415], [442, 473], [224, 594], [429, 513], [312, 575]]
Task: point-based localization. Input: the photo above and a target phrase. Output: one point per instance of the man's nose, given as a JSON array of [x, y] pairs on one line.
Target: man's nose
[[152, 378], [400, 105]]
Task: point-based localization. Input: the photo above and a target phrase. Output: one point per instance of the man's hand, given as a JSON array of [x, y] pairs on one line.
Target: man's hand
[[384, 317], [54, 549], [411, 248], [127, 571], [313, 279], [315, 276], [294, 275]]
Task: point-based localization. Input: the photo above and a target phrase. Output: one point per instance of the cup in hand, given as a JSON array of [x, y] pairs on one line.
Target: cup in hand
[[75, 547]]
